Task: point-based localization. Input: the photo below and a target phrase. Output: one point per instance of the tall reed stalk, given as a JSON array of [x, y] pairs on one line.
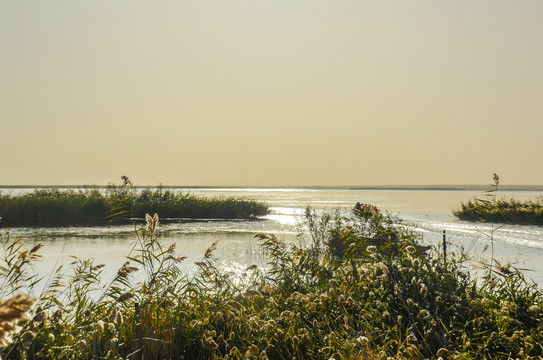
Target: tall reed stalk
[[492, 193]]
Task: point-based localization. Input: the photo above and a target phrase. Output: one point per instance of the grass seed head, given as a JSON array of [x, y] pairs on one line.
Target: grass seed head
[[152, 222]]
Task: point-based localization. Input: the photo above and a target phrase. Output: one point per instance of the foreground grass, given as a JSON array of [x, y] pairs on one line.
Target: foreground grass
[[361, 288], [502, 210], [66, 207]]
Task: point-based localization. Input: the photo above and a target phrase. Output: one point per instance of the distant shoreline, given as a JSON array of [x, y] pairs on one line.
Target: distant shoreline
[[353, 187]]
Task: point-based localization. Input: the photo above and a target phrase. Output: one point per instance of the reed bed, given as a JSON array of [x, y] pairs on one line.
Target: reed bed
[[503, 211], [492, 209], [91, 206], [355, 287]]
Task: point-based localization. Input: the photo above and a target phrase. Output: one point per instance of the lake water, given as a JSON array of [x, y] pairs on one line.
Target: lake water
[[428, 211]]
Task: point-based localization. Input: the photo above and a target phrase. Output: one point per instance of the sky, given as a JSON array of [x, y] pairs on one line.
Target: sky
[[271, 93]]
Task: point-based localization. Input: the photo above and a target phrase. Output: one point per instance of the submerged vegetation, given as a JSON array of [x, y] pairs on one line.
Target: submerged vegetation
[[55, 206], [356, 287], [492, 209]]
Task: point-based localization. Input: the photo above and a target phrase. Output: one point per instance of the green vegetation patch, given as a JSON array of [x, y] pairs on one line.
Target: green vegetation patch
[[502, 210], [92, 206], [360, 287], [492, 209]]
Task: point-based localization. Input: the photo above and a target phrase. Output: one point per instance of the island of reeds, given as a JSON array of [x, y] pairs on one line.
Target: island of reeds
[[503, 211], [492, 209], [356, 287], [119, 203]]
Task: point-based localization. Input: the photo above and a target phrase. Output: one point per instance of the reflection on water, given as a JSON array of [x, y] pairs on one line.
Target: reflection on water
[[428, 211]]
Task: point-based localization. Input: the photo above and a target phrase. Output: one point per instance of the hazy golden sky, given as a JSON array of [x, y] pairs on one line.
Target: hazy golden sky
[[251, 92]]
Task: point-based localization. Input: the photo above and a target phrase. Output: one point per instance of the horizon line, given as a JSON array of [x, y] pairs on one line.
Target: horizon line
[[517, 187]]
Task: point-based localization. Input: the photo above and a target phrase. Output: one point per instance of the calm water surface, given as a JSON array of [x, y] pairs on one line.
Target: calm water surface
[[429, 212]]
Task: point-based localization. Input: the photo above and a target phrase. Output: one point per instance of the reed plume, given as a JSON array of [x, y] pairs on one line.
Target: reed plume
[[152, 222]]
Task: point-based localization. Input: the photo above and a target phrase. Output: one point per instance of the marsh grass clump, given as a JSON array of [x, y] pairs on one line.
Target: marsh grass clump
[[174, 204], [360, 287], [492, 209], [47, 206], [124, 203], [505, 211]]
